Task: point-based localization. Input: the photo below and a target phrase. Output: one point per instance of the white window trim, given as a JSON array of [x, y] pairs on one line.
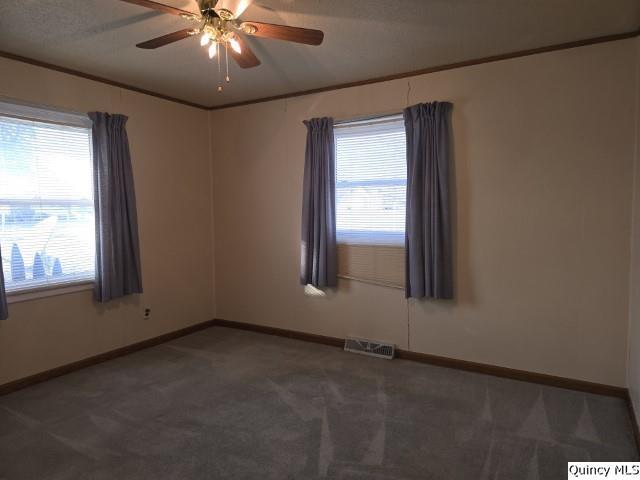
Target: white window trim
[[48, 291], [364, 237], [370, 120], [351, 239], [36, 285], [28, 111]]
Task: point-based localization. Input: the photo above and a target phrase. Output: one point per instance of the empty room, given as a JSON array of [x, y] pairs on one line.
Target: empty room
[[319, 239]]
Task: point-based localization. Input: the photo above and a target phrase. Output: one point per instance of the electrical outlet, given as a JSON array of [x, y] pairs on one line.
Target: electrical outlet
[[147, 313]]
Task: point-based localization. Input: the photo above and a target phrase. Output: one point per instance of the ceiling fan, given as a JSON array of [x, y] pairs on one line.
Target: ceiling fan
[[221, 31]]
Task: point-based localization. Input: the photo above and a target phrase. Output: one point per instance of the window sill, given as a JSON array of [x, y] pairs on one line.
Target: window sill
[[48, 291], [356, 241]]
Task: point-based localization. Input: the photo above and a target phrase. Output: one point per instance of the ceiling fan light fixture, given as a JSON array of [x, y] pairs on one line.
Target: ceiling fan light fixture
[[225, 14], [248, 28], [235, 45], [234, 7], [220, 29]]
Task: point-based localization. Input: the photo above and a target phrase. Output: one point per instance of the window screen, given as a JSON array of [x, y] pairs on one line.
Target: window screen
[[47, 226], [371, 184]]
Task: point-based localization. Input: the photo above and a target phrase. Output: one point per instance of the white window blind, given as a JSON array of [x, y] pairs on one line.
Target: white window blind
[[47, 226], [371, 184]]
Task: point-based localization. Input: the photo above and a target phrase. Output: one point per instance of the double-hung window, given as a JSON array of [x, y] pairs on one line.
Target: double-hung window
[[371, 185], [47, 225]]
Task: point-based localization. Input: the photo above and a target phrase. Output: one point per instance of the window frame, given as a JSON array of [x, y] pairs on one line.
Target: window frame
[[355, 242], [359, 237], [46, 114]]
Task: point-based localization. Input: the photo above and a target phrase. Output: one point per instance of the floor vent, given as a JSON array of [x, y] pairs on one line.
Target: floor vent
[[369, 347]]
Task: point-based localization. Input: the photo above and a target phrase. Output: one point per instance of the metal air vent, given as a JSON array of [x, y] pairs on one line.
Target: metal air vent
[[369, 347]]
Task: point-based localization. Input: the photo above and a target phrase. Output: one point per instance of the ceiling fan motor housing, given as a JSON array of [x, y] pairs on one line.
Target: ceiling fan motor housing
[[208, 10], [207, 5]]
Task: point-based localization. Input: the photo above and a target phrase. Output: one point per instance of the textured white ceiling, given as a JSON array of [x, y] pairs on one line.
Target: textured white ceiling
[[363, 39]]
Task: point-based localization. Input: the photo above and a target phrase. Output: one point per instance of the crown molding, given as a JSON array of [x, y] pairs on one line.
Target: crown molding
[[440, 68], [413, 73], [95, 78]]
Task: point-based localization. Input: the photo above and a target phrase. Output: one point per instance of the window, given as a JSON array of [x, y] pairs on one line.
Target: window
[[47, 226], [371, 185]]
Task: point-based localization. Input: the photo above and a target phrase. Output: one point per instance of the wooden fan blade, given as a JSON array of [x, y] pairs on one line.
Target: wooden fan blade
[[160, 7], [246, 59], [167, 39], [283, 32]]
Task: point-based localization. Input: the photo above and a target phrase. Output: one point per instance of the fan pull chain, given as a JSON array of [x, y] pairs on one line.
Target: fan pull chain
[[219, 69], [226, 58]]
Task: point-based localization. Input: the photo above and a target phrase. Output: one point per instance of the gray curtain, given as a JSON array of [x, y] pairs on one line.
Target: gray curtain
[[4, 310], [318, 266], [428, 248], [118, 270]]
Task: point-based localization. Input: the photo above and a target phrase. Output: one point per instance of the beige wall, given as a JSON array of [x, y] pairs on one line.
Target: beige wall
[[170, 152], [544, 149], [543, 173], [633, 367]]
